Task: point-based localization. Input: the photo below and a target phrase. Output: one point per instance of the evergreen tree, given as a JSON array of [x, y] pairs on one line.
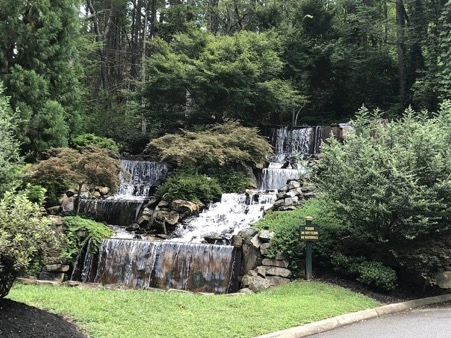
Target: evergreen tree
[[10, 159], [39, 67]]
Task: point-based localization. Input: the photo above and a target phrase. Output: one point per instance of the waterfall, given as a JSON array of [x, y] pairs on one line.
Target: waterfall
[[275, 178], [291, 141], [166, 265], [137, 178], [225, 218]]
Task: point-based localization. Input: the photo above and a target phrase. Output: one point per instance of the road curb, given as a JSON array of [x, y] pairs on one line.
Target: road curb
[[338, 321]]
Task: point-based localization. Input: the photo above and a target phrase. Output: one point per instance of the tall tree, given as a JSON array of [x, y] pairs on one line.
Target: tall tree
[[39, 67], [10, 158]]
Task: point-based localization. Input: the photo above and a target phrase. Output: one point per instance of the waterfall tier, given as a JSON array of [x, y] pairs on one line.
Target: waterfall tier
[[288, 142], [166, 265], [137, 178]]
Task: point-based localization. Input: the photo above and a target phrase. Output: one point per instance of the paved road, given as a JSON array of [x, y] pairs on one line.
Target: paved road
[[428, 322]]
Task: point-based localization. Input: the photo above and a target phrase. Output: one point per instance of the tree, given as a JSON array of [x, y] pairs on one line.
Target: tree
[[67, 168], [39, 67], [25, 236], [390, 183], [200, 78], [10, 159], [225, 145]]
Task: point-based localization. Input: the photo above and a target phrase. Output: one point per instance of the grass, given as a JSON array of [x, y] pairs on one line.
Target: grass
[[141, 313]]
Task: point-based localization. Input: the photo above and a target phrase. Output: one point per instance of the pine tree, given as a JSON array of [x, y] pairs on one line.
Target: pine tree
[[39, 67]]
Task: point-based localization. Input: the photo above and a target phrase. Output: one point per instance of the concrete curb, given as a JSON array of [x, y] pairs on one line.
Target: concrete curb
[[338, 321]]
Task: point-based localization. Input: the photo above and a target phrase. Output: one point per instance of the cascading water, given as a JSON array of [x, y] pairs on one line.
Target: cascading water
[[289, 143], [225, 218], [237, 211], [136, 180], [166, 265], [185, 263]]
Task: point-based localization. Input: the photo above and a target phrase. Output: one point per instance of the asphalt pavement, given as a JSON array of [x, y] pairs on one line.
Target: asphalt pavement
[[425, 323], [425, 317]]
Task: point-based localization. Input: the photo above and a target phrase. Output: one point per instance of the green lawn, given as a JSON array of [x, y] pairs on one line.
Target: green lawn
[[140, 313]]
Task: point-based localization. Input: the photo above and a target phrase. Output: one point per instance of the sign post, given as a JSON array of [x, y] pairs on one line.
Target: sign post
[[309, 234]]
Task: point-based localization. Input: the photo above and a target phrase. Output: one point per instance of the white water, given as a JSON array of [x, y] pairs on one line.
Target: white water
[[137, 178], [225, 218]]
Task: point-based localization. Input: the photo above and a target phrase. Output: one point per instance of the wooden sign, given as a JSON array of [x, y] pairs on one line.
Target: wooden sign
[[310, 232]]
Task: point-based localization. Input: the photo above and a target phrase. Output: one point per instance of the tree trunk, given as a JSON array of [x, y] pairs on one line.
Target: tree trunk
[[401, 49]]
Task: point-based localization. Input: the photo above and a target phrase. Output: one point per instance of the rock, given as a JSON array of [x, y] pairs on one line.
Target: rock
[[213, 239], [288, 201], [104, 190], [247, 234], [54, 210], [148, 212], [256, 241], [273, 271], [184, 207], [443, 279], [246, 291], [144, 220], [237, 241], [163, 204], [280, 257], [51, 276], [56, 267], [56, 220], [293, 185], [169, 217], [257, 284], [152, 202], [68, 203], [277, 280], [265, 235], [274, 262], [264, 248]]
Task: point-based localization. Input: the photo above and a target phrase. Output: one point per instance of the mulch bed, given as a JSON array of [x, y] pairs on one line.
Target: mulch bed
[[18, 320]]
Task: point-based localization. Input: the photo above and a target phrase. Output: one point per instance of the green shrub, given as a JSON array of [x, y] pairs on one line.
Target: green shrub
[[286, 226], [93, 140], [25, 237], [73, 241], [376, 275], [370, 273], [229, 179], [36, 193], [189, 187]]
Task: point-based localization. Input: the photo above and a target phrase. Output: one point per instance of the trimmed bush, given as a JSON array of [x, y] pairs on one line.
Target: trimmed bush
[[189, 187], [375, 274]]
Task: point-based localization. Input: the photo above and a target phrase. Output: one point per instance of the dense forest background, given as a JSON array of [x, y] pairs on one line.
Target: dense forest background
[[134, 70]]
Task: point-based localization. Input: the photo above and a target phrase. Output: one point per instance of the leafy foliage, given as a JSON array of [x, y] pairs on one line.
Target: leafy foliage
[[69, 167], [286, 226], [200, 77], [73, 242], [224, 145], [200, 188], [39, 66], [10, 159], [25, 236], [85, 140], [390, 183]]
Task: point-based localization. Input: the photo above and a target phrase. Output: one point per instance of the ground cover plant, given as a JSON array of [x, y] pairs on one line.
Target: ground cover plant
[[142, 313]]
